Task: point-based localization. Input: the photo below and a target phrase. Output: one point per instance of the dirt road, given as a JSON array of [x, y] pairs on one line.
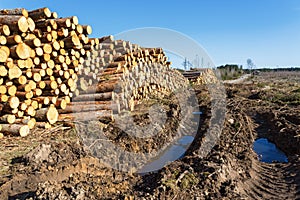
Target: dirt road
[[239, 80]]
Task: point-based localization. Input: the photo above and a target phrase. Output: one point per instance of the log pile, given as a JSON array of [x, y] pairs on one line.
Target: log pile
[[40, 58], [201, 76], [51, 71], [117, 75]]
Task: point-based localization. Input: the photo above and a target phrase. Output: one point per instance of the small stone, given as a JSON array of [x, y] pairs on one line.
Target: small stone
[[231, 121]]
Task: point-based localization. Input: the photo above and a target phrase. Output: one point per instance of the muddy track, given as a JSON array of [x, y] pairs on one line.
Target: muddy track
[[273, 181], [280, 125]]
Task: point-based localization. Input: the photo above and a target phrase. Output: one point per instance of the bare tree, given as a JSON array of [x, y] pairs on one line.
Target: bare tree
[[251, 65]]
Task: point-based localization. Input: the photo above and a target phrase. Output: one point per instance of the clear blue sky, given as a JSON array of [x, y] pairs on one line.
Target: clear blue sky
[[267, 31]]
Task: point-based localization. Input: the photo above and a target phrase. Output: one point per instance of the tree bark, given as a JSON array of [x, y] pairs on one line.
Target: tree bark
[[86, 116], [4, 29], [41, 13], [15, 23], [95, 97], [89, 107], [21, 51], [16, 11], [50, 114], [15, 129]]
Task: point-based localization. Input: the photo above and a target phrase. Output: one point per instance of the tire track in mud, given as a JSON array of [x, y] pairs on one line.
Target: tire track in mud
[[270, 180], [273, 181]]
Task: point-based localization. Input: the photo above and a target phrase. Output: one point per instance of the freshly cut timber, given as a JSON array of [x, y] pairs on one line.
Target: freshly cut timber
[[3, 40], [14, 102], [86, 116], [71, 41], [200, 76], [31, 122], [21, 51], [100, 88], [50, 70], [87, 29], [109, 38], [13, 39], [98, 96], [8, 118], [51, 114], [75, 108], [15, 129], [4, 30], [16, 11], [16, 23], [41, 13], [3, 70], [14, 72], [35, 42], [44, 125], [31, 24], [3, 55]]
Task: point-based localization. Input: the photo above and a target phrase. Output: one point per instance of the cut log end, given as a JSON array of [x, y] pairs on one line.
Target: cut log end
[[16, 129], [24, 131], [52, 114], [23, 24], [21, 51], [3, 55], [14, 102]]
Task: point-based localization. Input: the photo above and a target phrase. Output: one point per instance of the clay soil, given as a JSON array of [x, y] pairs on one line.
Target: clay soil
[[54, 164]]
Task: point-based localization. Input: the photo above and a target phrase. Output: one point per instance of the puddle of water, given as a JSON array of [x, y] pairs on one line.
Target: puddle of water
[[172, 153], [197, 113], [186, 140], [268, 152]]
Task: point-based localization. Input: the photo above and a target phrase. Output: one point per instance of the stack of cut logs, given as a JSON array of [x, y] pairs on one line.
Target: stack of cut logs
[[200, 76], [40, 57], [51, 71], [116, 75]]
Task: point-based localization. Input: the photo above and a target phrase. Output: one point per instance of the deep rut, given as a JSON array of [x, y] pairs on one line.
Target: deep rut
[[273, 180]]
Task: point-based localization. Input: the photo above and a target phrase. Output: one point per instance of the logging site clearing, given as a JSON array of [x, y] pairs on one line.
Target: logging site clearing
[[63, 95]]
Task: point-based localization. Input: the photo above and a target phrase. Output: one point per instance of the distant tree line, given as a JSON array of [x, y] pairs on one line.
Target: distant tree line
[[230, 71], [291, 69]]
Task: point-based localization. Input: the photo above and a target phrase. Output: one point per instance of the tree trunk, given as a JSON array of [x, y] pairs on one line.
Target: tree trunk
[[95, 97], [16, 11], [89, 107], [86, 116], [41, 13], [15, 23], [50, 114], [21, 51], [15, 129]]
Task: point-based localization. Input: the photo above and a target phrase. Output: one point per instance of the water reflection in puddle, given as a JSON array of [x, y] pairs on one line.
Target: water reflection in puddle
[[268, 152], [171, 154]]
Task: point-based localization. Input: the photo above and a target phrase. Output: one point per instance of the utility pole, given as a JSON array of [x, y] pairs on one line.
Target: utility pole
[[185, 64]]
